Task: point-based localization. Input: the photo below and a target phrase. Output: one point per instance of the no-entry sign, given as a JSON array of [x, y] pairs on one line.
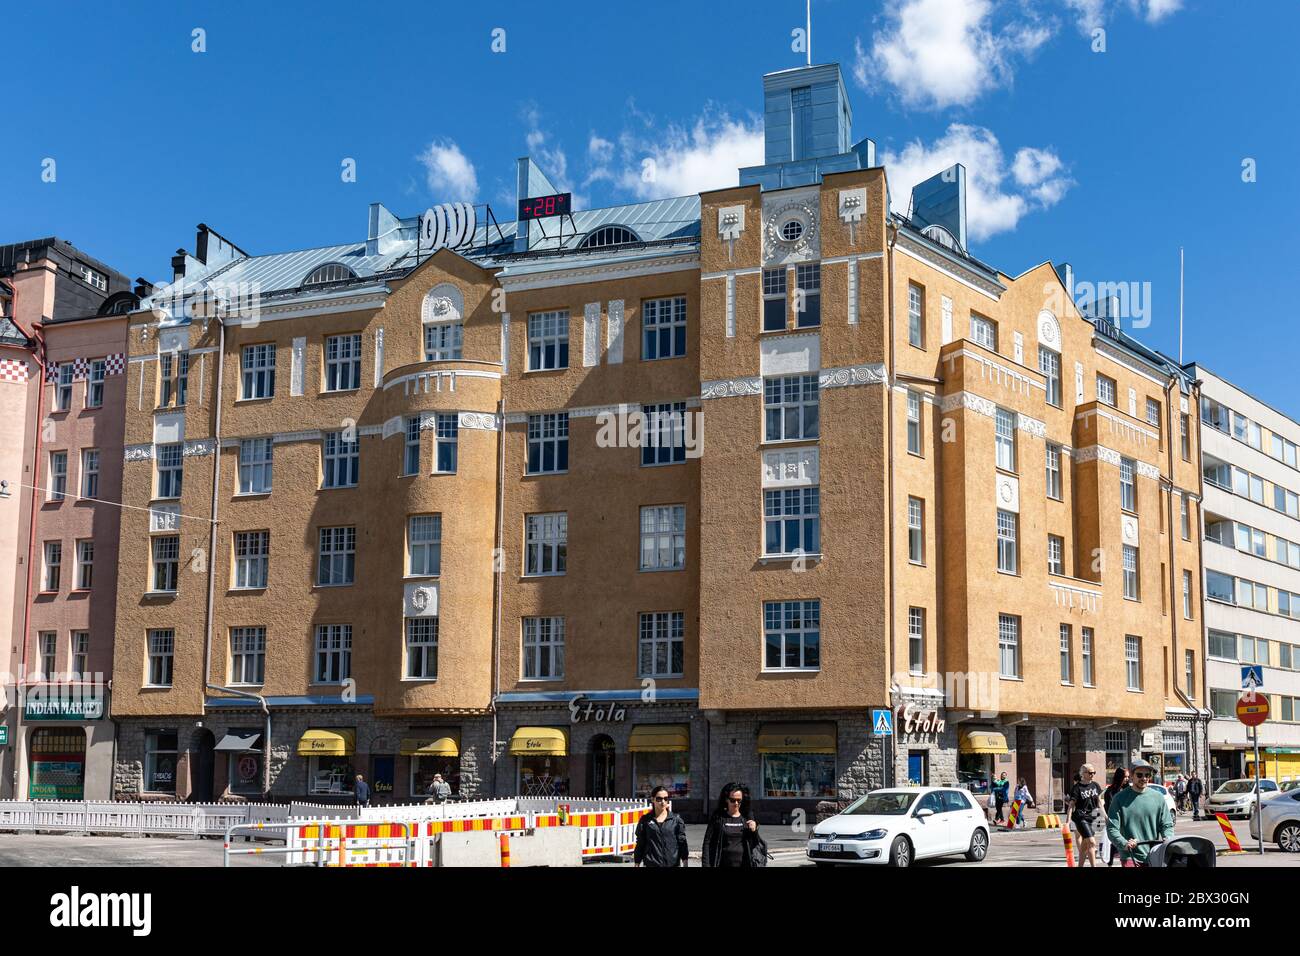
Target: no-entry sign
[[1252, 709]]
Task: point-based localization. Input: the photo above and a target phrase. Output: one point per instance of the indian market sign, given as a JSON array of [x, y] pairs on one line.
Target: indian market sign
[[63, 708], [4, 735]]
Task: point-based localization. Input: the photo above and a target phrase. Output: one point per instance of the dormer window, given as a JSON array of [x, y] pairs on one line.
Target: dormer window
[[329, 272], [608, 236]]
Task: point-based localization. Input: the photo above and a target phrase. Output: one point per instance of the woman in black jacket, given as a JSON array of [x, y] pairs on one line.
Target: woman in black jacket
[[660, 834], [731, 838]]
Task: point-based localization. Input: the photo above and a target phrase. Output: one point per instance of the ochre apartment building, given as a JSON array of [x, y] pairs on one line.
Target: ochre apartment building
[[404, 515]]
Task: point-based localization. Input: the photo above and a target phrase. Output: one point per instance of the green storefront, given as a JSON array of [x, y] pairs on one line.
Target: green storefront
[[57, 753]]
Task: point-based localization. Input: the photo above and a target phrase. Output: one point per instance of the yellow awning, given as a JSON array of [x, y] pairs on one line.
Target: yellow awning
[[807, 738], [983, 742], [544, 741], [659, 738], [332, 742], [448, 746]]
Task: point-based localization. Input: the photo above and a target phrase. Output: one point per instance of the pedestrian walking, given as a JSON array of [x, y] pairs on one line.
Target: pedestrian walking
[[732, 837], [1180, 792], [1117, 783], [1195, 790], [1138, 816], [660, 834], [1084, 806], [1001, 794], [1026, 801], [439, 790], [362, 791]]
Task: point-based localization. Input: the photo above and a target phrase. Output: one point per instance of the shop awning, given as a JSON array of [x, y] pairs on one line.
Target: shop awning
[[239, 742], [445, 746], [804, 738], [659, 738], [983, 742], [330, 742], [544, 741]]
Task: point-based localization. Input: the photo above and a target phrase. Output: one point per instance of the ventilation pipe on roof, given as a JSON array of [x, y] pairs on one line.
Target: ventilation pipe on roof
[[178, 265], [1065, 272]]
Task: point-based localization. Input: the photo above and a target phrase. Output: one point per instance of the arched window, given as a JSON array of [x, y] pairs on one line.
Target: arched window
[[608, 236], [329, 272]]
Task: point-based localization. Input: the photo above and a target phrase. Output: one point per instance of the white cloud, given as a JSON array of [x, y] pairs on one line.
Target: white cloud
[[553, 160], [997, 195], [449, 173], [1157, 10], [939, 53], [599, 150], [679, 162], [1091, 14]]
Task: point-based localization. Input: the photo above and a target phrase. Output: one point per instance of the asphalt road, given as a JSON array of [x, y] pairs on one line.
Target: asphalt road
[[1027, 848]]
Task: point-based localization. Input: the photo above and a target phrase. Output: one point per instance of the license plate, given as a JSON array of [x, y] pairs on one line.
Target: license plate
[[832, 847]]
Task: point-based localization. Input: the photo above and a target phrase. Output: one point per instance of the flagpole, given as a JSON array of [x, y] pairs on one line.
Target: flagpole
[[1180, 300], [808, 35]]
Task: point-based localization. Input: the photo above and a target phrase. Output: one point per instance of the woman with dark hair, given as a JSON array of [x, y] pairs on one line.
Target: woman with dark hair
[[1117, 783], [660, 834], [731, 838]]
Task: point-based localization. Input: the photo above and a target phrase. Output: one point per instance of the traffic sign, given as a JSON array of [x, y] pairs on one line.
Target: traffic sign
[[882, 722], [1252, 676], [1252, 709], [4, 735]]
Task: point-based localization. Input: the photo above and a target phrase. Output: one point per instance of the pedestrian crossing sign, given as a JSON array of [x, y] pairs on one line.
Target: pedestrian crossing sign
[[882, 722]]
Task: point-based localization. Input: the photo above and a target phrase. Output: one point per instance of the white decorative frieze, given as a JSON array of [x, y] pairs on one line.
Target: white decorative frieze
[[420, 600], [731, 306], [790, 231], [1128, 527], [199, 448], [731, 222], [392, 427], [1133, 402], [1097, 453], [945, 304], [853, 204], [1049, 331], [591, 334], [137, 453], [852, 375], [969, 401], [1031, 425], [297, 366], [1007, 492], [1078, 382], [379, 356], [853, 291], [792, 467], [1072, 597], [789, 355], [505, 342], [614, 332], [731, 387], [1018, 348], [164, 518], [484, 421], [1148, 471]]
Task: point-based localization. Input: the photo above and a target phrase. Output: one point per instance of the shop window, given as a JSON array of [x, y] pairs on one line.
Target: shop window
[[245, 769], [543, 776], [57, 769], [799, 775], [671, 770], [423, 769], [330, 774], [160, 762]]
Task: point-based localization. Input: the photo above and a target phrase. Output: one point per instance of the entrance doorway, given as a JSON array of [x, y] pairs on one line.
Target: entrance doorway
[[57, 764], [205, 762], [602, 766]]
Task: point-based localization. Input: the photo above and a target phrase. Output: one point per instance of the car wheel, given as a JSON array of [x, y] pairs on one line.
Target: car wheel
[[1288, 837], [900, 852], [979, 846]]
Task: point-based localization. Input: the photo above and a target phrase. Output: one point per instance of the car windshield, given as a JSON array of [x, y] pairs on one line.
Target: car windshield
[[1238, 786], [890, 803], [1290, 785]]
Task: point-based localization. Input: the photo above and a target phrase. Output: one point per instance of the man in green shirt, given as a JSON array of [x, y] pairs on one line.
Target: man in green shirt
[[1138, 814]]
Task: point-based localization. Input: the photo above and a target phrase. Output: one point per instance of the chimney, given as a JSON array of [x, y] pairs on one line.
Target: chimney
[[178, 265], [1066, 273], [143, 287]]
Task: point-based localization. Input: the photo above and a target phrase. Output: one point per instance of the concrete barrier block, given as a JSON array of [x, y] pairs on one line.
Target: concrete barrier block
[[552, 846]]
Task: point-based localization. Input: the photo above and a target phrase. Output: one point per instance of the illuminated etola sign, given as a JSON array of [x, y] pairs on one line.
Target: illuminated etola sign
[[594, 711], [913, 720]]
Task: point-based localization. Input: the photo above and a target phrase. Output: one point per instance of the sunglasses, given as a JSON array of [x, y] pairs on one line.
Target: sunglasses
[[734, 799], [1141, 775], [659, 799]]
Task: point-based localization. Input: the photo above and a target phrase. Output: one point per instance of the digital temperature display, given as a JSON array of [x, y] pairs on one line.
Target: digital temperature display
[[539, 207]]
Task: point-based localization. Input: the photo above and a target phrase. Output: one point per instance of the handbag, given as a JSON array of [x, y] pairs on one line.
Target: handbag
[[758, 855]]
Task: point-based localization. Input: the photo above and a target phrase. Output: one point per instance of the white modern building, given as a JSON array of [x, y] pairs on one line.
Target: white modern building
[[1252, 574]]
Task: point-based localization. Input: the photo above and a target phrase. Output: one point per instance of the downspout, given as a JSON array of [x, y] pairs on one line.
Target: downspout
[[891, 370], [1170, 386], [498, 571], [1197, 461], [39, 355]]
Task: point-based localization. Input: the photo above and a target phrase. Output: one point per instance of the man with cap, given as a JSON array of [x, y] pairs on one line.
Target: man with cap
[[1138, 815]]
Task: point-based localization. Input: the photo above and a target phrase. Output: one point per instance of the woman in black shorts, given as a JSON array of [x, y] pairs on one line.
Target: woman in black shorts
[[1086, 812]]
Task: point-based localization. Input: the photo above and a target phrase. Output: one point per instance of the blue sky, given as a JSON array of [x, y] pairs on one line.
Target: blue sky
[[1109, 160]]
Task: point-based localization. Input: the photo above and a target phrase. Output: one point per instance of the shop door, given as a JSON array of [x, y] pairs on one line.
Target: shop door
[[205, 766], [602, 766], [57, 765], [382, 775]]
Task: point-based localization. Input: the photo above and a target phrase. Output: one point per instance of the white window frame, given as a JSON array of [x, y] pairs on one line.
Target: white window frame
[[663, 538], [85, 564], [1049, 364], [1131, 572], [916, 640], [336, 551], [661, 634], [58, 486], [252, 563], [775, 289], [411, 432], [1187, 595], [1067, 653], [1055, 554], [914, 434], [63, 388], [444, 341], [79, 655], [663, 321], [47, 647], [247, 656], [546, 544], [258, 367], [340, 460], [446, 450], [793, 621], [1133, 662], [333, 653], [160, 646], [171, 470], [915, 530], [342, 362], [164, 565], [792, 516], [984, 331], [1128, 485], [1004, 427], [1052, 462], [424, 545], [1008, 535], [548, 340], [53, 576], [808, 295], [915, 315], [791, 408], [90, 473], [548, 432], [1107, 390], [255, 457], [1009, 644], [95, 383], [421, 639], [1086, 649], [542, 643]]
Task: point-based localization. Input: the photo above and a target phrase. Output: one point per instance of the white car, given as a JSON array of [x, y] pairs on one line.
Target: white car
[[1281, 816], [1169, 799], [898, 826], [1236, 798]]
